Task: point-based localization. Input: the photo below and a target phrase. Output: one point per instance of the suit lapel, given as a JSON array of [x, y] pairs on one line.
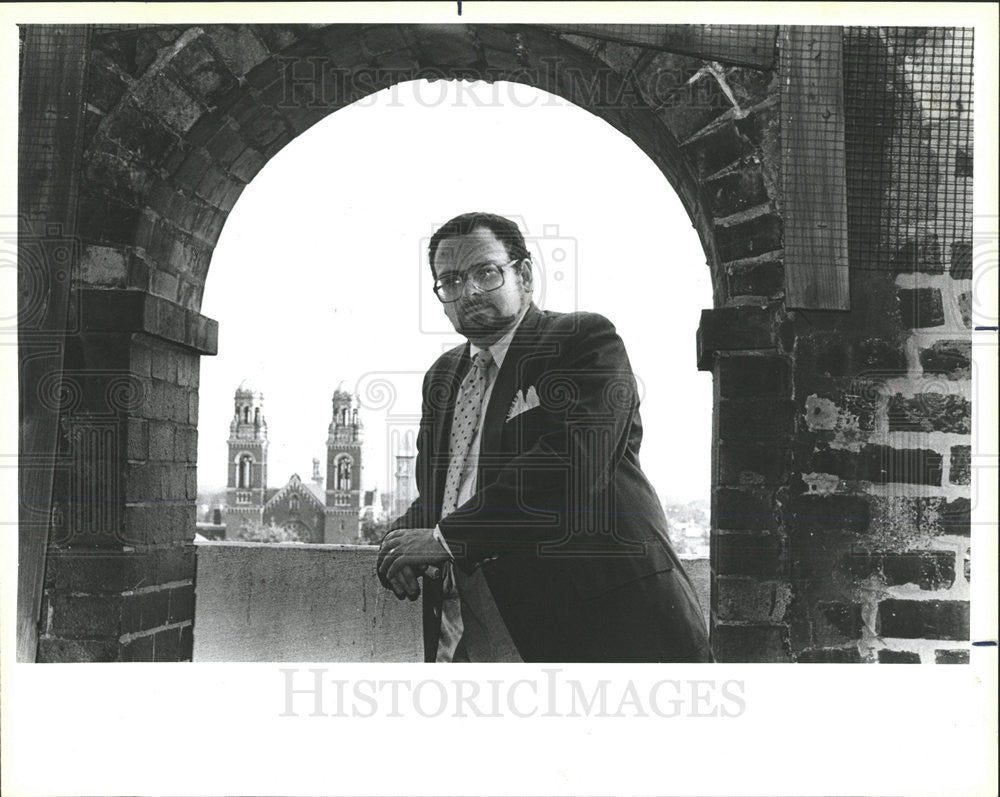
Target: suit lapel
[[509, 379]]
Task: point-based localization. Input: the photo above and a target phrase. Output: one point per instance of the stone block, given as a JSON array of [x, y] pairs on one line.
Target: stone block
[[746, 599], [757, 555], [929, 569], [829, 513], [750, 643], [829, 656], [921, 307], [747, 465], [930, 412], [740, 189], [961, 465], [741, 509], [886, 656], [749, 238], [104, 266], [950, 358], [930, 619], [753, 377], [961, 260], [757, 279], [139, 132], [951, 656], [757, 421]]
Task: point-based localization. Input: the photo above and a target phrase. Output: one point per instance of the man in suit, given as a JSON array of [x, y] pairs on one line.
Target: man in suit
[[536, 533]]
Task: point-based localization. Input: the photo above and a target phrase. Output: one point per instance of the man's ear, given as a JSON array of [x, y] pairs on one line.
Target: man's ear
[[525, 273]]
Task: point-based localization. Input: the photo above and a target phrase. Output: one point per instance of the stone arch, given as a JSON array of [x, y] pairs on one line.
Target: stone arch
[[178, 120], [184, 118]]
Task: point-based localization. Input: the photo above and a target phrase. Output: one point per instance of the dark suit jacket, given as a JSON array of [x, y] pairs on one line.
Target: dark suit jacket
[[583, 570]]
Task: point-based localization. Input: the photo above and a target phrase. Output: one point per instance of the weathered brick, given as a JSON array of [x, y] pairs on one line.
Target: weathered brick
[[841, 411], [168, 101], [951, 358], [886, 656], [919, 253], [750, 643], [930, 412], [719, 148], [752, 465], [758, 555], [880, 464], [961, 465], [56, 649], [759, 421], [140, 133], [139, 649], [176, 563], [956, 517], [741, 509], [186, 650], [829, 656], [929, 569], [167, 645], [753, 377], [910, 619], [154, 607], [741, 189], [965, 308], [238, 47], [921, 307], [866, 357], [839, 621], [951, 656], [961, 260], [740, 598], [181, 604], [823, 513], [757, 279], [106, 220], [105, 85], [85, 616], [198, 70], [749, 239], [85, 571]]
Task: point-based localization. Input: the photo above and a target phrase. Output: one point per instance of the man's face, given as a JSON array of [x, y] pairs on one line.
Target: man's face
[[482, 316]]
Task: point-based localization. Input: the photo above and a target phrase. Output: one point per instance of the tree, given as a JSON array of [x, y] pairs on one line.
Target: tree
[[255, 531], [373, 530]]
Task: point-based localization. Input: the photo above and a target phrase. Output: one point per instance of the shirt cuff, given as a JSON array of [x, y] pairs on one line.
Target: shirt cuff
[[440, 539]]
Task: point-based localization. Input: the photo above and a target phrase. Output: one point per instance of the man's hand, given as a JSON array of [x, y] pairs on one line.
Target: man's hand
[[408, 550], [405, 585]]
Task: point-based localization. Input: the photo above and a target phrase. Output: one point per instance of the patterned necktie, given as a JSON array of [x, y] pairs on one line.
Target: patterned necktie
[[464, 424]]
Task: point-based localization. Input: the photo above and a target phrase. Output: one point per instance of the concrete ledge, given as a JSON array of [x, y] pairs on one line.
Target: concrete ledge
[[294, 602]]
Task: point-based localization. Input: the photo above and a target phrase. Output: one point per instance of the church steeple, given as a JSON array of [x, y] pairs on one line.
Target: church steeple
[[247, 469], [343, 468]]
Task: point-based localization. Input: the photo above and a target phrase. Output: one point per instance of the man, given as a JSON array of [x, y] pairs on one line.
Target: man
[[551, 541]]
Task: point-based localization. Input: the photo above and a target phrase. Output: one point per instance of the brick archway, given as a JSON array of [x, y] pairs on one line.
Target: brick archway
[[179, 120], [840, 439]]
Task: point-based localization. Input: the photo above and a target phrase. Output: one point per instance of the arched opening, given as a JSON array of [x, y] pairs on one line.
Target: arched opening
[[167, 218]]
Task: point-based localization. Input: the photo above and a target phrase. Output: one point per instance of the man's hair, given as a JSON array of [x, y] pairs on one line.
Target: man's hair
[[505, 231]]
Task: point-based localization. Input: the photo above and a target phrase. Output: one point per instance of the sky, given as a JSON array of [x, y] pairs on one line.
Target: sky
[[320, 274]]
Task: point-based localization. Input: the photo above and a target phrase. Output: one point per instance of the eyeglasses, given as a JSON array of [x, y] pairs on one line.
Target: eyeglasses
[[487, 277]]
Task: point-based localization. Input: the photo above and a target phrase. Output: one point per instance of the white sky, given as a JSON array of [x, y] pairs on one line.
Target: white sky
[[320, 273]]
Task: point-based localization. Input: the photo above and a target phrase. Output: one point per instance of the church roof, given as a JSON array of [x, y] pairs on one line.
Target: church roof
[[317, 490], [295, 484]]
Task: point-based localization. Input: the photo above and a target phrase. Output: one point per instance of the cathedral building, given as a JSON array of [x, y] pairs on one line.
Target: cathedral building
[[320, 510]]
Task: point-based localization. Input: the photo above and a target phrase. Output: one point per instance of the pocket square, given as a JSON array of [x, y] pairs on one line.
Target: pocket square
[[523, 401]]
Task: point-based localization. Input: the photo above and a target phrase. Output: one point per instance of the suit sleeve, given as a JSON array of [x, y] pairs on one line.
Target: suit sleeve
[[588, 398]]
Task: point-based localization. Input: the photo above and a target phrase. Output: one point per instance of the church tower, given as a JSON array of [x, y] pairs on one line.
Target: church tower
[[343, 470], [247, 477], [406, 475]]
